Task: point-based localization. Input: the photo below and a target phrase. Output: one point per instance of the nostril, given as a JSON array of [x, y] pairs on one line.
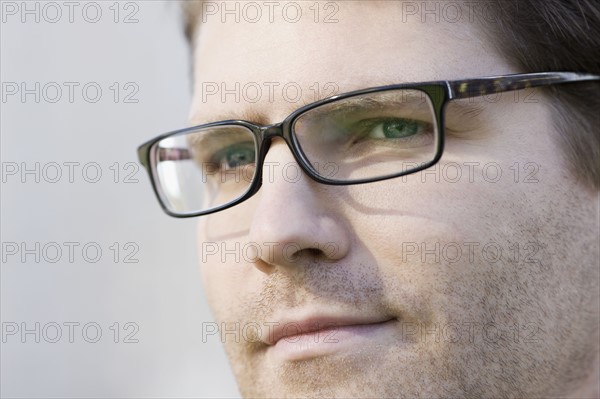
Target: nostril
[[313, 254]]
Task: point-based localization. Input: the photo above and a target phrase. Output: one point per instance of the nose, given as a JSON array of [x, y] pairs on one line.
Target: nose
[[296, 217]]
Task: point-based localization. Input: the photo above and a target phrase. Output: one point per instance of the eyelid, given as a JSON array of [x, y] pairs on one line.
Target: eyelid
[[465, 119], [370, 107], [374, 117], [224, 148], [204, 146], [383, 119]]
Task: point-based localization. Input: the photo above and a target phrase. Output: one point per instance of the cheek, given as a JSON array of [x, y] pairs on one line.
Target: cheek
[[227, 274], [216, 278], [427, 234], [223, 284], [233, 223]]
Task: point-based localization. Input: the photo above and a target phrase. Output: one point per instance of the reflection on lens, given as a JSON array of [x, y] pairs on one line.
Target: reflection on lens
[[370, 135], [204, 169]]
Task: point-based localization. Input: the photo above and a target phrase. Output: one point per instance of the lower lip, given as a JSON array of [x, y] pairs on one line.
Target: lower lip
[[328, 341]]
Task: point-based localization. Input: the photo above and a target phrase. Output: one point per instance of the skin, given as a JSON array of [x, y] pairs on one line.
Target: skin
[[543, 305]]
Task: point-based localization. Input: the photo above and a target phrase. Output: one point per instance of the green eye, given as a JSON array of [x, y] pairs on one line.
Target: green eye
[[235, 156], [399, 128]]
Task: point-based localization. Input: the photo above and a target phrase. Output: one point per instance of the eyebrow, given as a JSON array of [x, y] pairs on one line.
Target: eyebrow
[[235, 132], [246, 114], [470, 109]]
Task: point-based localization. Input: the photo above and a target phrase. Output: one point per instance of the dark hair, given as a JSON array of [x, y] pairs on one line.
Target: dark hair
[[539, 36], [558, 35]]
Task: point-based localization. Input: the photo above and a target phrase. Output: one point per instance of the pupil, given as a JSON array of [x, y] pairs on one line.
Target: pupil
[[239, 157], [399, 128], [236, 159]]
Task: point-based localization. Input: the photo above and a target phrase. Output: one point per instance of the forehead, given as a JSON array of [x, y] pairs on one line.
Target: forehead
[[320, 47]]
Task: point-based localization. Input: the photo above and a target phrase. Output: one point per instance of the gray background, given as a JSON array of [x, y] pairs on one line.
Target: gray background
[[162, 292]]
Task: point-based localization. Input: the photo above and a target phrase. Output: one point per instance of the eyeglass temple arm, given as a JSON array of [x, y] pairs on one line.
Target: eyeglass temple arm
[[497, 84]]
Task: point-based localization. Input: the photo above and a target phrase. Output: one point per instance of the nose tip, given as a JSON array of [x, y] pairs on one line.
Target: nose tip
[[291, 230], [291, 221]]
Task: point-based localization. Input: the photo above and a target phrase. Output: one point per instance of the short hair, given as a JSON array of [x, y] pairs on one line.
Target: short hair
[[538, 36], [559, 35]]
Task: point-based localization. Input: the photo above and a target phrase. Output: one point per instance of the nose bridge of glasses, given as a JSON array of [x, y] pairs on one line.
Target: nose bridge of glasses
[[267, 134]]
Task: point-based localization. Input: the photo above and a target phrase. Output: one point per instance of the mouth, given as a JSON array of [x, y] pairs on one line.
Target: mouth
[[294, 339]]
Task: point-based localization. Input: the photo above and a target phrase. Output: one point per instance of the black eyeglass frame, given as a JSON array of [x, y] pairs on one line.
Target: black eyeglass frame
[[439, 92]]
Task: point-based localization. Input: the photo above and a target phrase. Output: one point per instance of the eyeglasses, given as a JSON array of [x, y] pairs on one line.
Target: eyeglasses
[[354, 138]]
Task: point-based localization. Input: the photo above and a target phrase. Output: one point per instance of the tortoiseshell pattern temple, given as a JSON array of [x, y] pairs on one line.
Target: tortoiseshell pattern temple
[[492, 85]]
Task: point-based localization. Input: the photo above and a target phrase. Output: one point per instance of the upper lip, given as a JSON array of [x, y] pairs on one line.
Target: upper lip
[[285, 327]]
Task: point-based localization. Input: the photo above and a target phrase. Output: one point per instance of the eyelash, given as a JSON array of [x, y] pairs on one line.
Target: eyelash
[[367, 125]]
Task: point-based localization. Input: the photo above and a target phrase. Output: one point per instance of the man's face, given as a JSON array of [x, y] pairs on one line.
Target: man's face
[[477, 277]]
